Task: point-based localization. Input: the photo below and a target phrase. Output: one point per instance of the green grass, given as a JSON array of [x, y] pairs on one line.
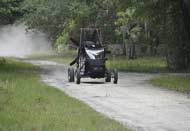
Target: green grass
[[26, 104], [65, 57], [146, 64], [177, 83]]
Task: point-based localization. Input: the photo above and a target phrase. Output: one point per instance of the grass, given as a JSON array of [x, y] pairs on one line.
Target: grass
[[26, 104], [177, 83], [145, 64], [65, 57]]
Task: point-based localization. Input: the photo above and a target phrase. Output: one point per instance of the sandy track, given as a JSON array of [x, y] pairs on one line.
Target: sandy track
[[132, 102]]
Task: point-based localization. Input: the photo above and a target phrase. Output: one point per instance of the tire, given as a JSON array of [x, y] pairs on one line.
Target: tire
[[115, 73], [78, 76], [108, 76], [71, 75]]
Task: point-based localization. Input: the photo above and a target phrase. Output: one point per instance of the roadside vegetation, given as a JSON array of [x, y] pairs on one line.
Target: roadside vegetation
[[140, 27], [65, 57], [144, 64], [173, 82], [26, 104]]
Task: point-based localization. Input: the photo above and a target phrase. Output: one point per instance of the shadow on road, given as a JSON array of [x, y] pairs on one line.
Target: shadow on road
[[93, 82]]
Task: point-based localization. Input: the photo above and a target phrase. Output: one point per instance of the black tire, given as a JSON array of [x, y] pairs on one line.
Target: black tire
[[71, 75], [108, 76], [115, 73], [78, 76]]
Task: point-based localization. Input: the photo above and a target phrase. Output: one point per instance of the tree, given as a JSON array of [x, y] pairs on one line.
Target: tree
[[150, 22], [10, 11]]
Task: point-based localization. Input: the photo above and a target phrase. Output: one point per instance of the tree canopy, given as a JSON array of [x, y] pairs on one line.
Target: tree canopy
[[10, 11], [148, 22]]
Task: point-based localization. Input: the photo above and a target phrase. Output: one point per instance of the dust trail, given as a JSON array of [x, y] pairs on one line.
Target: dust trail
[[16, 41]]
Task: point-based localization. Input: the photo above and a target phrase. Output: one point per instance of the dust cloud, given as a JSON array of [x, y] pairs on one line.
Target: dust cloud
[[17, 42]]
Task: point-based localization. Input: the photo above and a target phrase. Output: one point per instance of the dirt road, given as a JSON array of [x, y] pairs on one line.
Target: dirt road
[[132, 102]]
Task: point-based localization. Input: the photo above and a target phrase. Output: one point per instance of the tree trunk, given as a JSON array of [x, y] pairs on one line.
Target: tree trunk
[[185, 7]]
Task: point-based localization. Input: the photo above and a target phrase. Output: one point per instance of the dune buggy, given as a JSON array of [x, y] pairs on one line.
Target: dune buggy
[[91, 58]]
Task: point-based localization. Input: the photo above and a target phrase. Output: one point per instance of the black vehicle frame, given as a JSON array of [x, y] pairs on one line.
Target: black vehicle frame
[[91, 58]]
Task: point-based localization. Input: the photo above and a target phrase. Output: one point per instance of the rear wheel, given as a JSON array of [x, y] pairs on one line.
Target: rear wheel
[[78, 76], [71, 75], [108, 76], [115, 73]]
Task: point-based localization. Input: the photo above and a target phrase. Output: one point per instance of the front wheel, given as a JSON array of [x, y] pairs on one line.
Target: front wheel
[[108, 76], [78, 76], [115, 75], [71, 75]]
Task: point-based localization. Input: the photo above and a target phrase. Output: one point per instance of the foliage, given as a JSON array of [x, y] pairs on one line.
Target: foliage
[[10, 11], [64, 37], [150, 23], [145, 64], [55, 18], [173, 82], [167, 24]]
